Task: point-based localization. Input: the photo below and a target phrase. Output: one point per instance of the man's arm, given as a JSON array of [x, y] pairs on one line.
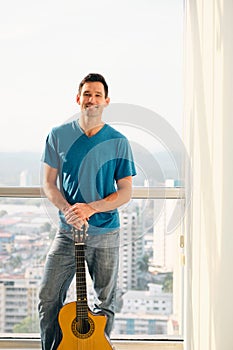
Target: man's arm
[[51, 190], [54, 195], [113, 201]]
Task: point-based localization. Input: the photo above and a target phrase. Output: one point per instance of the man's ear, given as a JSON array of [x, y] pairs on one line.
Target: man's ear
[[78, 99], [107, 101]]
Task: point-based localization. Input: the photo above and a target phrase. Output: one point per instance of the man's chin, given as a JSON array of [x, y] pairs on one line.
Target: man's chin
[[93, 111], [92, 114]]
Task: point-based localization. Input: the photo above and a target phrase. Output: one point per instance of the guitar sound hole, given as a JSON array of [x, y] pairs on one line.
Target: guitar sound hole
[[83, 326]]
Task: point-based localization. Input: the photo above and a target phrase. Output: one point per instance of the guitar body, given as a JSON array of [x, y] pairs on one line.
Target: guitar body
[[76, 338]]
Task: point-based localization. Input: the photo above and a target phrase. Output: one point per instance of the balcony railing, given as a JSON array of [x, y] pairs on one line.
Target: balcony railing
[[138, 192]]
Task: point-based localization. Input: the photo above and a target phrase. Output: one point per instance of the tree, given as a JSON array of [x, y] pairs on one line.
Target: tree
[[168, 283], [3, 213], [27, 325], [144, 275], [143, 263], [46, 227], [15, 261]]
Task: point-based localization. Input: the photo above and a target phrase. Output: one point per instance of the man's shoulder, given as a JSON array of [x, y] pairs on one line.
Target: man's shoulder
[[114, 133], [68, 126]]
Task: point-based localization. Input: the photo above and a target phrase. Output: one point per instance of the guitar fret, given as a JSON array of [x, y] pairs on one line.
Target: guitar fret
[[81, 290]]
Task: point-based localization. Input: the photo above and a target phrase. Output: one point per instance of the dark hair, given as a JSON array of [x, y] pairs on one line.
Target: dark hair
[[93, 77]]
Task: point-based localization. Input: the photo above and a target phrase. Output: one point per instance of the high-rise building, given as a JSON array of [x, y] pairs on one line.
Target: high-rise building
[[131, 248], [167, 216], [6, 242], [144, 312], [153, 301], [19, 298], [167, 230], [25, 178]]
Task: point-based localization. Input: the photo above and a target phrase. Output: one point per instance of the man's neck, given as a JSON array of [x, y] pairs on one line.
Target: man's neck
[[90, 126]]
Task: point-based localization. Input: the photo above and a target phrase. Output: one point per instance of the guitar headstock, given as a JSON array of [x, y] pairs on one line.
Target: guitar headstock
[[80, 235]]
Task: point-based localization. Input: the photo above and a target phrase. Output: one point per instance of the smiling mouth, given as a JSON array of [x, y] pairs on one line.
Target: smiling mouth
[[92, 107]]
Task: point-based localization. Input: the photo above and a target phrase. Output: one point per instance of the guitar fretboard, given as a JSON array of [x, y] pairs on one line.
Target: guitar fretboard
[[81, 290]]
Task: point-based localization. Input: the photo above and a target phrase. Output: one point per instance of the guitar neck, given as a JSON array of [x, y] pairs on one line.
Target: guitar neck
[[81, 289]]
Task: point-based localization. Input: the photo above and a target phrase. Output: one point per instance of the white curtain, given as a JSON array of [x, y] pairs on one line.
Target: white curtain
[[208, 135]]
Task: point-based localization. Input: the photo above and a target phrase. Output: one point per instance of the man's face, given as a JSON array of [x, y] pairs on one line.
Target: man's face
[[92, 99]]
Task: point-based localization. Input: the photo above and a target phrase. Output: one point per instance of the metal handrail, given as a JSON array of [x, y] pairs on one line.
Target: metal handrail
[[138, 192]]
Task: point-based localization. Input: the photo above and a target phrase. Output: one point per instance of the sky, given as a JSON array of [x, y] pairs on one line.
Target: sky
[[48, 46]]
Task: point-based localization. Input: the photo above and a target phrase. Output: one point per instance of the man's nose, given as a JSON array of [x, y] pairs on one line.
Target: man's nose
[[92, 99]]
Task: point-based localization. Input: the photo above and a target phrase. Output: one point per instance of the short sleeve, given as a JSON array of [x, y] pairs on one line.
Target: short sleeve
[[50, 154], [125, 163]]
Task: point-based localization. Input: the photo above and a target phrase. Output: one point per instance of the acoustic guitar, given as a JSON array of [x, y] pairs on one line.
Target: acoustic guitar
[[81, 328]]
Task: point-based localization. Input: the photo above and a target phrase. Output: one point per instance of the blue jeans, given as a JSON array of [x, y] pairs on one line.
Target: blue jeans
[[102, 257]]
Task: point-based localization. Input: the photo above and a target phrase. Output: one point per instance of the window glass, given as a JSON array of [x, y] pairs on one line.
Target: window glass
[[150, 279], [48, 47]]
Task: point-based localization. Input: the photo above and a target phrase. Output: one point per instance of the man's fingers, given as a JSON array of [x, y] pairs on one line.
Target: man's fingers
[[79, 224]]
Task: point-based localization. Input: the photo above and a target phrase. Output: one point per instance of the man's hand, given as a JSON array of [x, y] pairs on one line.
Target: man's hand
[[78, 214]]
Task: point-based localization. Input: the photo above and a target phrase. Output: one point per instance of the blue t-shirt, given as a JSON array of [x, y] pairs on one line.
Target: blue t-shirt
[[88, 168]]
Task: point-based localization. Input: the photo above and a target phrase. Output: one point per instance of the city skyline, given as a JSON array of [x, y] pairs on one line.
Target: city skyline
[[24, 168], [21, 266]]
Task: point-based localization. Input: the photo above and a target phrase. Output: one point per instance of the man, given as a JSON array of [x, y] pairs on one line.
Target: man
[[94, 165]]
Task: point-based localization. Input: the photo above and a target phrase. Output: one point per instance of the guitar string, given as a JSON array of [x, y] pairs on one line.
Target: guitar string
[[80, 280]]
